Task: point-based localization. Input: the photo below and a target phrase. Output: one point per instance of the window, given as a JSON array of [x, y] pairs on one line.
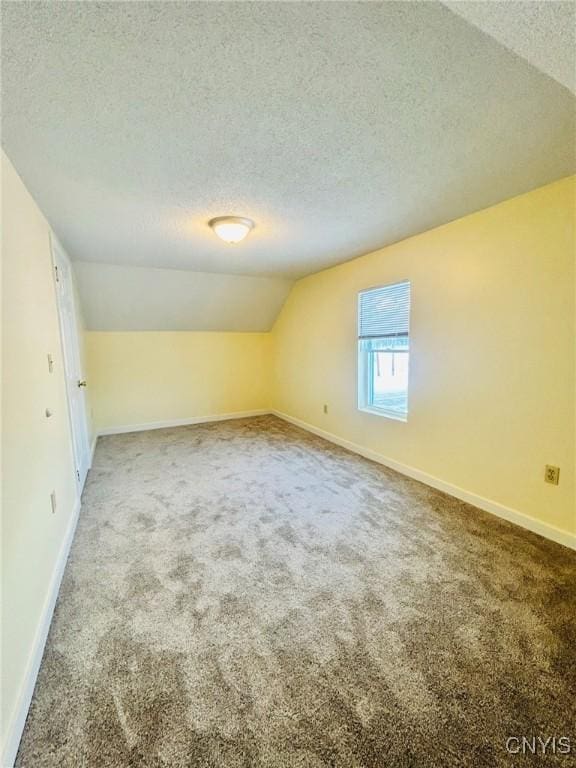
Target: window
[[384, 350]]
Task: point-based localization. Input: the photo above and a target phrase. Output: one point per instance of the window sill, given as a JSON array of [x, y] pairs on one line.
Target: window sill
[[385, 414]]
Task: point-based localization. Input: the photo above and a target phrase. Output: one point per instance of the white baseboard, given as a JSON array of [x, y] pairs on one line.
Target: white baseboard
[[180, 422], [512, 515], [20, 710], [92, 449]]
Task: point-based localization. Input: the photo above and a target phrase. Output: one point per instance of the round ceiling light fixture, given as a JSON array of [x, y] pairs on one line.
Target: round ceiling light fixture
[[231, 229]]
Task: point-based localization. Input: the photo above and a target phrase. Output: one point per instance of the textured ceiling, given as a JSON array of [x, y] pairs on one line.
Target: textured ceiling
[[118, 298], [544, 33], [339, 127]]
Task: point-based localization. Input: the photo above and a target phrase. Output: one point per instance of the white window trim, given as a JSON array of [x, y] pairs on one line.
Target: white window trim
[[375, 411], [363, 379]]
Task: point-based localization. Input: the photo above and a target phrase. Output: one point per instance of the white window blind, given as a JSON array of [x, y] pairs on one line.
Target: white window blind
[[385, 312]]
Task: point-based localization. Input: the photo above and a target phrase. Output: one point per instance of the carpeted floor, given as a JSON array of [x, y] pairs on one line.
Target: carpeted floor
[[246, 594]]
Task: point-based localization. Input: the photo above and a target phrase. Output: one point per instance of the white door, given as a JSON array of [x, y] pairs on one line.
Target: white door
[[75, 381]]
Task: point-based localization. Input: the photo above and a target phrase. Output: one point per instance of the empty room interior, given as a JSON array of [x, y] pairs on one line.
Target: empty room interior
[[288, 384]]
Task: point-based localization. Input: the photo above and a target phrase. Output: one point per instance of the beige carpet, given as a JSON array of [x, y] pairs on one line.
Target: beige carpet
[[246, 594]]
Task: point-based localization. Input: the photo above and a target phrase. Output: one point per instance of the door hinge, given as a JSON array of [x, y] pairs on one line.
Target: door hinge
[[56, 271], [78, 475]]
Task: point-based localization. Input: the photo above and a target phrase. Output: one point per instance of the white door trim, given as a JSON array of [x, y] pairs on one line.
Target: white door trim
[[72, 362]]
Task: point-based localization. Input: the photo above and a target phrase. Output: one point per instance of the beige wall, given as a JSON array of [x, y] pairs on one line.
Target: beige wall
[[36, 451], [492, 381], [144, 377]]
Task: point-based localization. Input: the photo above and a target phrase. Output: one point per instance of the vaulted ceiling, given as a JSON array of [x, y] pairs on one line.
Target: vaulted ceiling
[[120, 298], [544, 33], [338, 127]]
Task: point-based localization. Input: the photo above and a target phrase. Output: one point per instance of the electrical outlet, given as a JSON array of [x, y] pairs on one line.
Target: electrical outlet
[[53, 501], [552, 474], [325, 408]]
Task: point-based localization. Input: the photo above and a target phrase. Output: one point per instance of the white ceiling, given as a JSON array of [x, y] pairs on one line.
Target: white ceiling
[[339, 127], [118, 298], [544, 33]]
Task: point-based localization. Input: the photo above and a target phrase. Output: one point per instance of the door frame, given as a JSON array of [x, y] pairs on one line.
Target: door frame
[[71, 359]]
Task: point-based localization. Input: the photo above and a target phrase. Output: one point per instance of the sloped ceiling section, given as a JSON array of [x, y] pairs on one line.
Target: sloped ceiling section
[[117, 298], [543, 33], [339, 127]]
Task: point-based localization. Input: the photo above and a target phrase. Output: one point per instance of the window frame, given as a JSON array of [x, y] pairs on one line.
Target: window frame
[[365, 364]]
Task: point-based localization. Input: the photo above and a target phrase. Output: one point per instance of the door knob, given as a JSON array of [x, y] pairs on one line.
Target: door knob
[[81, 382]]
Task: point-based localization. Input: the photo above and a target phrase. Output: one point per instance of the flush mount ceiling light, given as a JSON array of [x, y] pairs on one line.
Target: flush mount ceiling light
[[231, 229]]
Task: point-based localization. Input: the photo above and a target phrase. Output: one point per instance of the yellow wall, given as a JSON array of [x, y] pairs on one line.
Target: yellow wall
[[492, 378], [36, 451], [145, 377]]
